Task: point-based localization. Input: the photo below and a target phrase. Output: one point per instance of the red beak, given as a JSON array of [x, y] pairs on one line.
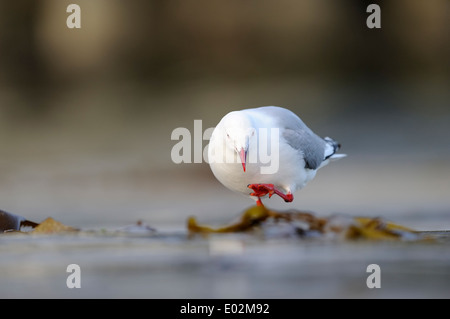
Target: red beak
[[243, 155]]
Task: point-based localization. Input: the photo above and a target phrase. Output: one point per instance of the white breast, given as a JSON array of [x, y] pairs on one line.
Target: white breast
[[289, 177]]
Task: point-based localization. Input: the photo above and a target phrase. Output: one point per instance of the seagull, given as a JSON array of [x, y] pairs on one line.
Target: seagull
[[267, 150]]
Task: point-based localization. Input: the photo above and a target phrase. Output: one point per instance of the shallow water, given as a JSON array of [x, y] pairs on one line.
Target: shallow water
[[168, 265], [101, 175]]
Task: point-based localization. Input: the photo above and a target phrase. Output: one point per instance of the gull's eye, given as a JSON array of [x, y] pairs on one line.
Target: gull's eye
[[228, 135]]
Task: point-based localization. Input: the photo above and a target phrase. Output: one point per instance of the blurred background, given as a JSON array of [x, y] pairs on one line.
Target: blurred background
[[86, 114]]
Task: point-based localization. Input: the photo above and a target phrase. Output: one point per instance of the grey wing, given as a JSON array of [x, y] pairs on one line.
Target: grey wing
[[309, 145]]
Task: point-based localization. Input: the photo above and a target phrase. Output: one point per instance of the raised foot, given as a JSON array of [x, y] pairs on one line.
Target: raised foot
[[262, 189], [269, 189]]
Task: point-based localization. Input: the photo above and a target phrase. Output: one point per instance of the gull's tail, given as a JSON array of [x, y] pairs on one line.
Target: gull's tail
[[331, 148]]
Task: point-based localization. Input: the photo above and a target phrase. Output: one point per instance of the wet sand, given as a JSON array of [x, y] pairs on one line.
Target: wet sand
[[167, 264]]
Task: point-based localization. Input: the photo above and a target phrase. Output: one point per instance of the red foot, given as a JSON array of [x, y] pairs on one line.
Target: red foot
[[268, 189]]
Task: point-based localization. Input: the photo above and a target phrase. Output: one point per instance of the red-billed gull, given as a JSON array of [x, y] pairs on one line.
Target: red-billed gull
[[267, 150]]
